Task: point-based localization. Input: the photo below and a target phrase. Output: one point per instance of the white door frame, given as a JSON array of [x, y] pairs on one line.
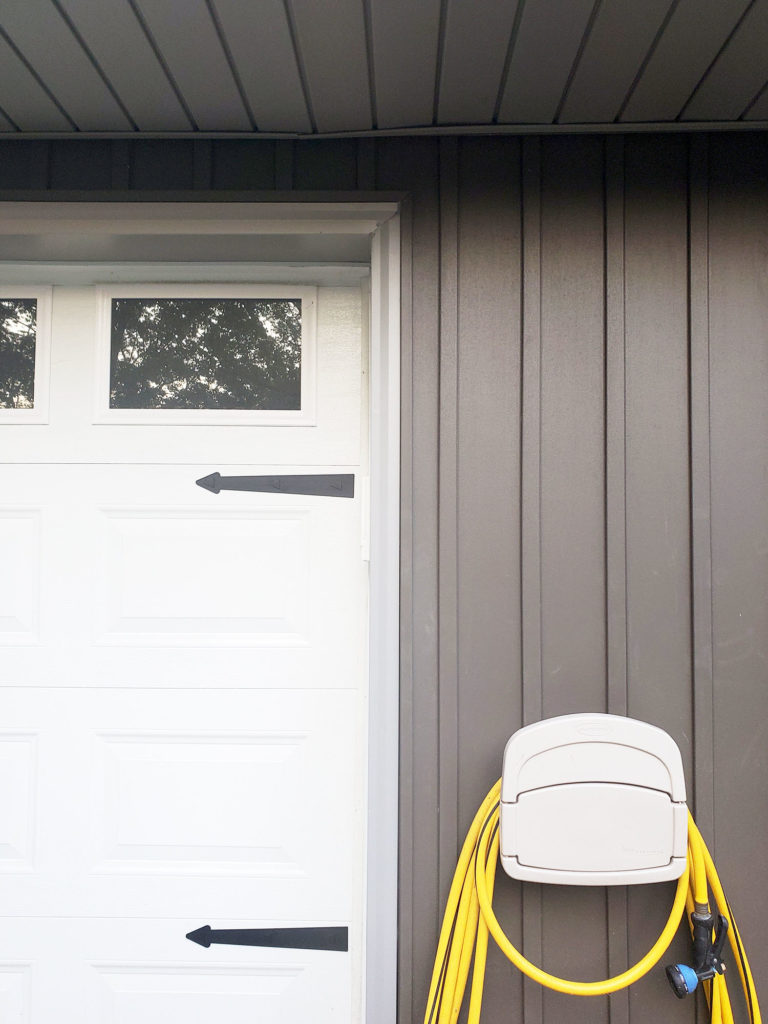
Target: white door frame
[[110, 220], [380, 999]]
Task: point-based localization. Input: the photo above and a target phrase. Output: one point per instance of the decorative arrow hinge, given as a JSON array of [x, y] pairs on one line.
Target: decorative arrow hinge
[[330, 485], [332, 938]]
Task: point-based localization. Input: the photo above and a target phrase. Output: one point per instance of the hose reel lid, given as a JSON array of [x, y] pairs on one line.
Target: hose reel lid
[[593, 799]]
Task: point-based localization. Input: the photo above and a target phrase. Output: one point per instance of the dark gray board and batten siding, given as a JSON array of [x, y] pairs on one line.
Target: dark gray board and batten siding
[[585, 487]]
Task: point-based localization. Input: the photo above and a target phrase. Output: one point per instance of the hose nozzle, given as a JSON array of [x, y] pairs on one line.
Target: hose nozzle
[[707, 955]]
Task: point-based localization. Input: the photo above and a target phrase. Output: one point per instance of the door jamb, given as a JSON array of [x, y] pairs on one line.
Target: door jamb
[[380, 997]]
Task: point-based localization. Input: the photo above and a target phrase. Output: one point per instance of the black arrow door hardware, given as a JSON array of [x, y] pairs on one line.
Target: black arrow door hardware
[[332, 938], [330, 485]]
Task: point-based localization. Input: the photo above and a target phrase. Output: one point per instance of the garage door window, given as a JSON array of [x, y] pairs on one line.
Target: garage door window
[[23, 355], [233, 354]]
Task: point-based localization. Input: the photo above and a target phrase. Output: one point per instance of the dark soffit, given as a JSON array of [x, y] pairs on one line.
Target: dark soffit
[[298, 68]]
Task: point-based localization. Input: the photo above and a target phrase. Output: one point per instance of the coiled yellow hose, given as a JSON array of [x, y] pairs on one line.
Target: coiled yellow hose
[[469, 919]]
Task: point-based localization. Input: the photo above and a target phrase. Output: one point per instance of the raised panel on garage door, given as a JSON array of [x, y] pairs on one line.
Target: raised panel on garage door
[[134, 576], [183, 695]]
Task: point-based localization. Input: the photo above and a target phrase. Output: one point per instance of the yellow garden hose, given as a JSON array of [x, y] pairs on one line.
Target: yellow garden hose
[[469, 919]]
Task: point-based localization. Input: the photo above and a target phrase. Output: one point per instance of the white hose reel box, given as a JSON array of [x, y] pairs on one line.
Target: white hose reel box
[[593, 800]]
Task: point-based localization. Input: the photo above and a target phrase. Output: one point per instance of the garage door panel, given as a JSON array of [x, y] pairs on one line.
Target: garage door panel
[[190, 818], [146, 972], [133, 576]]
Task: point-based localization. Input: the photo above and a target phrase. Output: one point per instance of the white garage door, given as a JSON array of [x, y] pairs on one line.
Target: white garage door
[[184, 681]]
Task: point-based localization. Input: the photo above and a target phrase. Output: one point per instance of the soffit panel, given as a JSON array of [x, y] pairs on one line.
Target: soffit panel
[[299, 68], [687, 48], [474, 51], [259, 38], [45, 41], [332, 46], [545, 49], [23, 98], [114, 36], [195, 57], [613, 55], [759, 110], [739, 73], [405, 89]]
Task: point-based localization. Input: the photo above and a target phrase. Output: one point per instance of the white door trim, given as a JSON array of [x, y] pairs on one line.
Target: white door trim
[[384, 625], [101, 221]]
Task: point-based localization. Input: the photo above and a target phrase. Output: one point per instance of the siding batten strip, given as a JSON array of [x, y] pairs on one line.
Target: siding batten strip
[[448, 583], [615, 520], [530, 522], [701, 513]]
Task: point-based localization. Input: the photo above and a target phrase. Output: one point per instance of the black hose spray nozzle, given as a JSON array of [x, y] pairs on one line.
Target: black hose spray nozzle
[[707, 955]]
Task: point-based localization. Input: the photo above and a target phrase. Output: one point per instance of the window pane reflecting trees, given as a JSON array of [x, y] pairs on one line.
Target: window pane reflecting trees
[[18, 333], [205, 353]]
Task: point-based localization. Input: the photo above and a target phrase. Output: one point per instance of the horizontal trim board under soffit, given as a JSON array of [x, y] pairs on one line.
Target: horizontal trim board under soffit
[[55, 247], [182, 232], [146, 218], [31, 272], [601, 128]]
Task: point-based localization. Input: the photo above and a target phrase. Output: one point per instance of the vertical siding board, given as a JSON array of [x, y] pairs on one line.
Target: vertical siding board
[[202, 164], [243, 165], [82, 165], [366, 165], [530, 523], [284, 166], [658, 535], [326, 165], [447, 529], [738, 307], [162, 165], [121, 164], [532, 694], [701, 793], [24, 164], [701, 516], [657, 501], [615, 431], [615, 518], [572, 427], [488, 434], [573, 510], [413, 165]]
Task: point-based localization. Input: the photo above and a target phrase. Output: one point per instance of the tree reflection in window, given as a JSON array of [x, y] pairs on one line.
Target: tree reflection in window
[[18, 331], [205, 354]]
